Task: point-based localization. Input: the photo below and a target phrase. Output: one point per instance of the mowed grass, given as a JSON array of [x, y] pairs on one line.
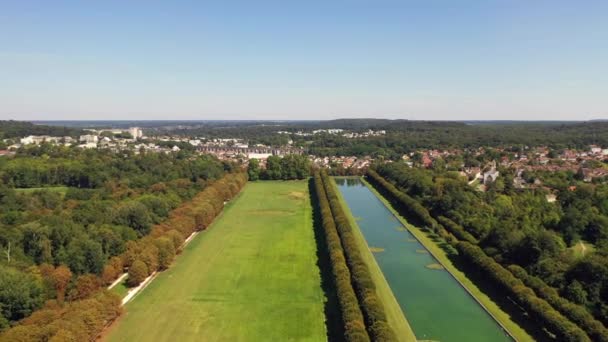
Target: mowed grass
[[252, 276], [60, 189]]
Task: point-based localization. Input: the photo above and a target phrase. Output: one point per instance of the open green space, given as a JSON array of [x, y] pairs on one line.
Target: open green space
[[60, 189], [121, 289], [252, 276], [438, 248], [582, 248]]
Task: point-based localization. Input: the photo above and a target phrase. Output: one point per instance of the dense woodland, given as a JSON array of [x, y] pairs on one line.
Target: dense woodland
[[403, 136], [522, 230], [72, 220], [14, 130]]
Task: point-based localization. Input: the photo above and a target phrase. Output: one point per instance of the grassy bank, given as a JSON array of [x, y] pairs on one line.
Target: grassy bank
[[436, 247], [395, 316]]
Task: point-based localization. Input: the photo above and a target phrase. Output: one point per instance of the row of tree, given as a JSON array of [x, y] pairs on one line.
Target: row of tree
[[525, 293], [576, 313], [537, 308], [409, 205], [156, 251], [80, 320], [522, 227], [352, 317], [363, 283], [22, 293], [291, 166]]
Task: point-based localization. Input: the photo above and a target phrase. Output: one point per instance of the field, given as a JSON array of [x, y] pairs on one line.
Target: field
[[252, 276], [60, 189]]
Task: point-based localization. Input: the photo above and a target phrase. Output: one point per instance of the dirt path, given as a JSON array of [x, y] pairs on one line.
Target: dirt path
[[583, 248]]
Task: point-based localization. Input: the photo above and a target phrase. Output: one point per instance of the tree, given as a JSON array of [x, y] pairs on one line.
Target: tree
[[20, 294], [138, 272], [253, 170], [166, 252], [61, 277], [134, 215]]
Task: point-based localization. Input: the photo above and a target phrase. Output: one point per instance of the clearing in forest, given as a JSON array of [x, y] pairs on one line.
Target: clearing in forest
[[252, 276]]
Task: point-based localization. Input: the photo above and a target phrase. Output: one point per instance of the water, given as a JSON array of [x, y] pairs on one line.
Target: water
[[433, 302]]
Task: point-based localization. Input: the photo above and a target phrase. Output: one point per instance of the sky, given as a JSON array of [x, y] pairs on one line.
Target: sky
[[197, 60]]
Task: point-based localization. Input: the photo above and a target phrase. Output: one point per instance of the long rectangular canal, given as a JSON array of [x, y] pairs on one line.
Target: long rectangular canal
[[437, 307]]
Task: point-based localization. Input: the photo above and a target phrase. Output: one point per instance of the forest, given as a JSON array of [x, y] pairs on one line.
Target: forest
[[520, 237], [72, 220], [402, 136], [19, 129]]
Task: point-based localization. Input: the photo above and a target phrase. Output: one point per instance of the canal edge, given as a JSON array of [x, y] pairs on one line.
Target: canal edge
[[410, 229], [371, 261]]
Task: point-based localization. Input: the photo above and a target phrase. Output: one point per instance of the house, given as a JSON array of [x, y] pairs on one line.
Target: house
[[490, 176], [136, 132], [88, 138]]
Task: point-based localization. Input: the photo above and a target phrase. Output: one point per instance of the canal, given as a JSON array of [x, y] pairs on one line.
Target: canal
[[434, 303]]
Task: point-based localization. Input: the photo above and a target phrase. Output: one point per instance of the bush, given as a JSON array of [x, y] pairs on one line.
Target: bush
[[138, 272], [537, 308]]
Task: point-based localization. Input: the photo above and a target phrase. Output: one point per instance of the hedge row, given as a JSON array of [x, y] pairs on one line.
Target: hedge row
[[354, 324], [537, 308], [456, 229], [576, 313], [373, 310], [156, 251], [411, 208], [80, 320]]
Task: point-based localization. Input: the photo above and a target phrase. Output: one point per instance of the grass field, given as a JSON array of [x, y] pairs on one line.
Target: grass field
[[430, 242], [582, 248], [252, 276], [60, 189]]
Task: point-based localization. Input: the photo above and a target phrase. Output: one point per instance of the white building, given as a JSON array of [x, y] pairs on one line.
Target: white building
[[39, 139], [136, 132], [88, 138]]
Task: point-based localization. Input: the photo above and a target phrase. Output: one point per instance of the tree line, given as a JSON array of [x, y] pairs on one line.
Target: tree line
[[352, 317], [555, 313], [291, 166], [63, 243], [78, 307], [362, 281], [522, 227]]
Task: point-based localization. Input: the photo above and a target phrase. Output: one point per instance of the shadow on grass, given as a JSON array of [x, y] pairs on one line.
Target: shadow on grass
[[333, 316]]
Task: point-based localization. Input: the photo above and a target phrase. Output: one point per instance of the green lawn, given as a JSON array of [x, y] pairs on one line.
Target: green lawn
[[394, 314], [430, 241], [121, 289], [60, 189], [252, 276], [582, 248]]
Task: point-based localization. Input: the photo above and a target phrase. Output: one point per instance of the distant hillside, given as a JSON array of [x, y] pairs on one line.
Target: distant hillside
[[17, 129]]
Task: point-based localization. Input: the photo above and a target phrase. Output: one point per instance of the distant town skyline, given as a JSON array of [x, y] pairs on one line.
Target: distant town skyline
[[271, 60]]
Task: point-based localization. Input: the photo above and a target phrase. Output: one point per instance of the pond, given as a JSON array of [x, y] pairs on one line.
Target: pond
[[437, 307]]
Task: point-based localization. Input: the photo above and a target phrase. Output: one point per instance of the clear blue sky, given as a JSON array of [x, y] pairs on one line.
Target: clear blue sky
[[303, 59]]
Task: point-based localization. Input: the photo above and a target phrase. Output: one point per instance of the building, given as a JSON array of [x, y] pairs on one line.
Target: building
[[88, 139], [136, 132], [490, 176]]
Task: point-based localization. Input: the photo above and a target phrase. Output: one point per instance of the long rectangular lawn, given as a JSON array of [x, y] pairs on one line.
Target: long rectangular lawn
[[252, 276]]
